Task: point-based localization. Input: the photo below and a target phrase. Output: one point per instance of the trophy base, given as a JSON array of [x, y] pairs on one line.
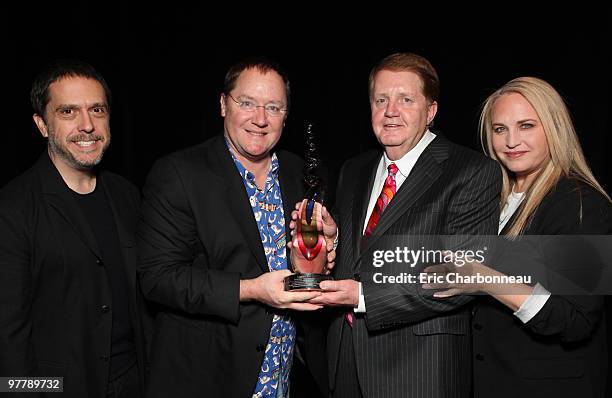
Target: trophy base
[[305, 282]]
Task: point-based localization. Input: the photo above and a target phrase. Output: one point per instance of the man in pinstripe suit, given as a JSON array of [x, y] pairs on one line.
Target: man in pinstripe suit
[[395, 339]]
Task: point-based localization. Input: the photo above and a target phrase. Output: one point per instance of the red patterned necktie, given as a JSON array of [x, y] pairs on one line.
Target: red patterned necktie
[[387, 193]]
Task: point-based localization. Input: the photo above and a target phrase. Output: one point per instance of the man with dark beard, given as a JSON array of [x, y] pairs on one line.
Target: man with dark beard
[[67, 257]]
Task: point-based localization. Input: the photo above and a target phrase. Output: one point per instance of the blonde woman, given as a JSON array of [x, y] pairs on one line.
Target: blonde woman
[[532, 343]]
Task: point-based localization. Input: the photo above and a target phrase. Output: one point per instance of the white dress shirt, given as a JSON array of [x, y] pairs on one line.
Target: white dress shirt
[[512, 203]]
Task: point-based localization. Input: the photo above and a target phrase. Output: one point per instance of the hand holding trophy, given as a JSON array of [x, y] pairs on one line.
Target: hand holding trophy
[[309, 258]]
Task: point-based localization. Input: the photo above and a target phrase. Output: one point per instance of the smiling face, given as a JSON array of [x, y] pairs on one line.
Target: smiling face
[[400, 111], [76, 122], [518, 138], [253, 134]]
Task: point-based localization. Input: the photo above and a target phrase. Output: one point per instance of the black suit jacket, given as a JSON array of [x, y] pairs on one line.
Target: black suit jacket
[[197, 239], [409, 344], [561, 351], [53, 283]]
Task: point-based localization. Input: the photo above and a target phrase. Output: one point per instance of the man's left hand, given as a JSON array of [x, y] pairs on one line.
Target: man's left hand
[[337, 293], [330, 232], [464, 269]]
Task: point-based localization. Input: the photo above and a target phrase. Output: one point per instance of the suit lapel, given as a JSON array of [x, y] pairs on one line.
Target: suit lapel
[[362, 199], [58, 195], [123, 208], [422, 177], [126, 239], [509, 223], [235, 192]]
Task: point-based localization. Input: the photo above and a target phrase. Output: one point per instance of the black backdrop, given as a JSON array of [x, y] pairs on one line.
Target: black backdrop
[[166, 64]]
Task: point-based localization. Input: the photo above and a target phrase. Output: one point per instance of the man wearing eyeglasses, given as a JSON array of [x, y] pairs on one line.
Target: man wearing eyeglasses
[[212, 243]]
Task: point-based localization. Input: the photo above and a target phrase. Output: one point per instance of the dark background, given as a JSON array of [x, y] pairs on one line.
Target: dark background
[[165, 66]]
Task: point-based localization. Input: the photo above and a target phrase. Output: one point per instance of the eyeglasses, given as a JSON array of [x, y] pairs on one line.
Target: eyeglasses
[[250, 106]]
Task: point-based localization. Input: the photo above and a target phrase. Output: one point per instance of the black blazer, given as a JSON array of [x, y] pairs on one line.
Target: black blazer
[[561, 351], [409, 344], [197, 239], [53, 283]]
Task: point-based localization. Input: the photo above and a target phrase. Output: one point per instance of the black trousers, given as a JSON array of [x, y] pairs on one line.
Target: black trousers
[[125, 386], [347, 381]]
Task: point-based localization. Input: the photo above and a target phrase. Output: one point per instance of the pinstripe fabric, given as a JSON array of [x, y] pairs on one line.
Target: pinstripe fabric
[[409, 344]]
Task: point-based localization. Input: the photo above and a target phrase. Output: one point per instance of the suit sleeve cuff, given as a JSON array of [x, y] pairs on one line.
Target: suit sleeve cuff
[[337, 239], [361, 306], [534, 303]]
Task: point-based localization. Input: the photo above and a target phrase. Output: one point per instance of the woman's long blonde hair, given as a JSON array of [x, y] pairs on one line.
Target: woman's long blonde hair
[[566, 157]]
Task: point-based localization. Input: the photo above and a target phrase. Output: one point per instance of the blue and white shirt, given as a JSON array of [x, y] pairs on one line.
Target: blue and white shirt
[[267, 206]]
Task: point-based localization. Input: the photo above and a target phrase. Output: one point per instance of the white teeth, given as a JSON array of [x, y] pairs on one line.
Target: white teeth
[[85, 143]]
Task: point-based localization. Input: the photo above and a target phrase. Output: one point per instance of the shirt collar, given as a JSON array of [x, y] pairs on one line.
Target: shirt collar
[[407, 162], [246, 174]]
